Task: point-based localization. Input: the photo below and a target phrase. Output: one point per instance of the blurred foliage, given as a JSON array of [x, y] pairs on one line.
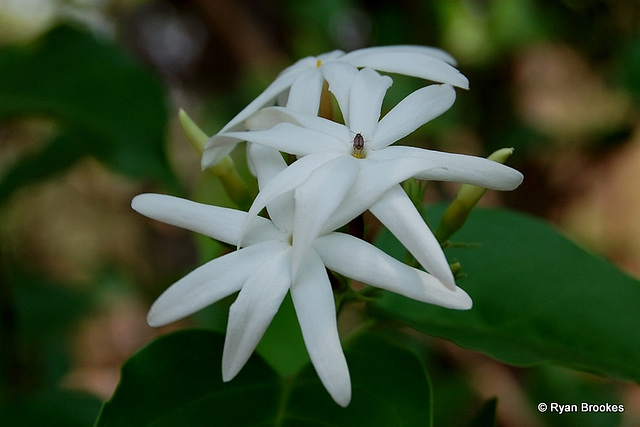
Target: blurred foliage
[[105, 105], [557, 80]]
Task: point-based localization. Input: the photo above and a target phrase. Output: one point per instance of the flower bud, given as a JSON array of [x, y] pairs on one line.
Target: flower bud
[[225, 170], [466, 198]]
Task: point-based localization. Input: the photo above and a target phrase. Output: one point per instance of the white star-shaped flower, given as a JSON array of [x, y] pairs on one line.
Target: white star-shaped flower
[[344, 170], [301, 83], [262, 271]]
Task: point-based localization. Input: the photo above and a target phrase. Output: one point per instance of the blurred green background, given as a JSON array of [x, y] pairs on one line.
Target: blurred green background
[[89, 94]]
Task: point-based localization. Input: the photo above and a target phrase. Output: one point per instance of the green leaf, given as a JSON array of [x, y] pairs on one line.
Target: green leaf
[[96, 92], [176, 380], [537, 297]]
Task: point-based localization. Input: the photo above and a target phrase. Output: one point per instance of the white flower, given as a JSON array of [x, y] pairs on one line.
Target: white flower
[[261, 270], [305, 78], [347, 169]]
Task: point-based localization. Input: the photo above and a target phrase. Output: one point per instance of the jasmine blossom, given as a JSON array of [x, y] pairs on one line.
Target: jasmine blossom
[[345, 169], [261, 270], [300, 85]]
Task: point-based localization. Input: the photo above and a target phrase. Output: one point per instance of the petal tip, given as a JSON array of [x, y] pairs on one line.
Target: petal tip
[[152, 319]]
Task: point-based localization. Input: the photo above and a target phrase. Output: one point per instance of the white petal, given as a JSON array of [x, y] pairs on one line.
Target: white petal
[[365, 102], [284, 182], [330, 56], [209, 283], [422, 50], [316, 199], [315, 308], [412, 112], [292, 139], [219, 146], [253, 310], [305, 92], [222, 224], [374, 179], [216, 148], [361, 261], [284, 81], [340, 77], [440, 166], [267, 164], [396, 211], [269, 117], [409, 63]]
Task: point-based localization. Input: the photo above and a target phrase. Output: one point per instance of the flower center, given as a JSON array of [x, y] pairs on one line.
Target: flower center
[[319, 63], [358, 146]]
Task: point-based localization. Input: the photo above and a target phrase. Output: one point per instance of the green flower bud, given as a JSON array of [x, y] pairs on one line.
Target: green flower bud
[[225, 169], [466, 198]]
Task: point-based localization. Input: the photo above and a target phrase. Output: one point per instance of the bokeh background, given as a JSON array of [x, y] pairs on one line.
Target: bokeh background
[[558, 80]]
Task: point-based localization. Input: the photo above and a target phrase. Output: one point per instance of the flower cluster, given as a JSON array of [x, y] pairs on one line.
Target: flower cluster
[[341, 170]]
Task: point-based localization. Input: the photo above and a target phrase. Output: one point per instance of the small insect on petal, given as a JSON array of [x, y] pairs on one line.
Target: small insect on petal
[[358, 145]]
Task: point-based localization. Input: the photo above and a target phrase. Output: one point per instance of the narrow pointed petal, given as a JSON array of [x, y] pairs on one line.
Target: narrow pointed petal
[[209, 283], [396, 211], [267, 164], [440, 166], [340, 77], [422, 50], [216, 148], [284, 182], [315, 308], [412, 112], [374, 179], [365, 101], [219, 146], [316, 199], [305, 92], [253, 310], [330, 56], [292, 139], [269, 117], [409, 63], [284, 81], [364, 262], [222, 224]]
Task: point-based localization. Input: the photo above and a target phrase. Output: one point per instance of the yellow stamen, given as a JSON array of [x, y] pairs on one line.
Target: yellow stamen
[[319, 63]]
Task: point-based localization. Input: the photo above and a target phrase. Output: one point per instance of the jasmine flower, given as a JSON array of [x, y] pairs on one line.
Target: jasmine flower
[[300, 85], [345, 169], [261, 270]]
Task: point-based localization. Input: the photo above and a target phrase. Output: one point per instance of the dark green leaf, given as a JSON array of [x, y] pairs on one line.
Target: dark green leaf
[[537, 297], [176, 380], [178, 377]]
